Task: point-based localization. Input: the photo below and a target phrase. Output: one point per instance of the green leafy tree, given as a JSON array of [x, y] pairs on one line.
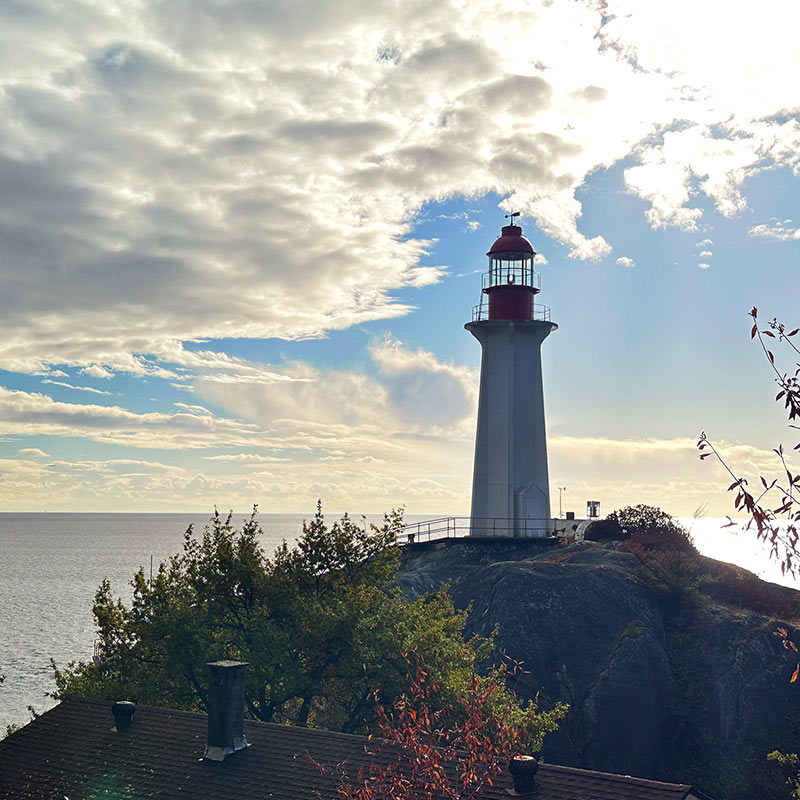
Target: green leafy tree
[[322, 625]]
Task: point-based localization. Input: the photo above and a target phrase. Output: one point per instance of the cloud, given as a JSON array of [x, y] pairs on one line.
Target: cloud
[[469, 223], [661, 472], [33, 451], [704, 265], [422, 390], [729, 123], [232, 173], [311, 411], [178, 173], [706, 254], [434, 477], [624, 261], [25, 413], [201, 410], [77, 388], [245, 458], [778, 230], [413, 390], [119, 466], [96, 371]]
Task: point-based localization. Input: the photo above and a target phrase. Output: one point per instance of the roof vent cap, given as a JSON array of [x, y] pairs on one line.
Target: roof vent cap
[[523, 771], [123, 711]]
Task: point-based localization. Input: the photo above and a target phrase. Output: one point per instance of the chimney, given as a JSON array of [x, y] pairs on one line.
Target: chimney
[[523, 771], [225, 709], [123, 711]]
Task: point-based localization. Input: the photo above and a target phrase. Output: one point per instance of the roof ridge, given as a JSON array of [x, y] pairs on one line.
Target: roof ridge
[[615, 775], [96, 701]]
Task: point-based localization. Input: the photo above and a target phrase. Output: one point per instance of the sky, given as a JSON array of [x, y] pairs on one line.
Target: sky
[[239, 241]]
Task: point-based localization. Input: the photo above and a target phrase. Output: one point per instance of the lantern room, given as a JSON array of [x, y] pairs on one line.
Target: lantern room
[[510, 284]]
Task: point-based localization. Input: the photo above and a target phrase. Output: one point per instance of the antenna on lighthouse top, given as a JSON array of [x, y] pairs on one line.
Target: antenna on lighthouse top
[[512, 215]]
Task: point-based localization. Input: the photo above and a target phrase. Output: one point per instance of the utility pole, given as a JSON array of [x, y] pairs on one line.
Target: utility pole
[[560, 489]]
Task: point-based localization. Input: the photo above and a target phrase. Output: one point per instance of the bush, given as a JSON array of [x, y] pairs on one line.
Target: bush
[[670, 564], [643, 528]]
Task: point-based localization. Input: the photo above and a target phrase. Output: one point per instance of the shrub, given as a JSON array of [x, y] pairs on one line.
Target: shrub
[[646, 528]]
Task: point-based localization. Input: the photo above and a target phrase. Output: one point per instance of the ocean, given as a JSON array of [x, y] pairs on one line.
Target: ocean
[[52, 563]]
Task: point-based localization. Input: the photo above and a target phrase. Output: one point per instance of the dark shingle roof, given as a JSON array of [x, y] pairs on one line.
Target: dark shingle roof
[[73, 752]]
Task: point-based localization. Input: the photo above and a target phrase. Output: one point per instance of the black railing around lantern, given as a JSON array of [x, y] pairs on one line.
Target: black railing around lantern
[[480, 313]]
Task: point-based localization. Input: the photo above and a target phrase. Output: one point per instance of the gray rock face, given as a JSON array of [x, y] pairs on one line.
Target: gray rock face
[[697, 698]]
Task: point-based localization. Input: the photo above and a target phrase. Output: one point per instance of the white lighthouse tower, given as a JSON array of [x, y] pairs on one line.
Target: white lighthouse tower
[[510, 485]]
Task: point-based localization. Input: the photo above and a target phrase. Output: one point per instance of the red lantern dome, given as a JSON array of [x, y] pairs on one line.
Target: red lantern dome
[[511, 241]]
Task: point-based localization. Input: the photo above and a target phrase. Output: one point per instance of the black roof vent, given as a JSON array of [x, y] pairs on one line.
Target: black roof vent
[[123, 711], [523, 771]]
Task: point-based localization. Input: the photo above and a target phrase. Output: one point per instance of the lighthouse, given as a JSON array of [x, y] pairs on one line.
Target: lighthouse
[[510, 485]]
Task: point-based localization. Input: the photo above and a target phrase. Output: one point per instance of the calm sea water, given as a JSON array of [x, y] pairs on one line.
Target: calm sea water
[[51, 565]]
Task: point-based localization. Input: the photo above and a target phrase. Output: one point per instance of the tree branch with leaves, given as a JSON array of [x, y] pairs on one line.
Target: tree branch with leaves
[[422, 750], [774, 509]]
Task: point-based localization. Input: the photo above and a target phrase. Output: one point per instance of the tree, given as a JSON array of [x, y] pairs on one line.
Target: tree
[[420, 753], [322, 625], [774, 522]]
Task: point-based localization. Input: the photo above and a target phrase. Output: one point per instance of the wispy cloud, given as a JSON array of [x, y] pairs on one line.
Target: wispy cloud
[[33, 451], [77, 388], [202, 410], [245, 458]]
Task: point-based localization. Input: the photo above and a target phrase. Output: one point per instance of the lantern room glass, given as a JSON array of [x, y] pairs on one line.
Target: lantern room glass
[[511, 269]]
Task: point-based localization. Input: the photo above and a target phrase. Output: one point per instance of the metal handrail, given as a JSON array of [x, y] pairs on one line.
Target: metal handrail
[[480, 312], [487, 527]]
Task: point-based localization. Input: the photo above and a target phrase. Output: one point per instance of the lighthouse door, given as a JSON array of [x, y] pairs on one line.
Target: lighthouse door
[[535, 523]]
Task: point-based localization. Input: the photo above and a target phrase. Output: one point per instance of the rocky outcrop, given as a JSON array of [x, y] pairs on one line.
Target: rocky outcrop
[[697, 695]]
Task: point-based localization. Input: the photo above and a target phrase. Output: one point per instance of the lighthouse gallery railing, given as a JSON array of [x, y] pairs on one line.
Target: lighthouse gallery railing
[[480, 312]]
